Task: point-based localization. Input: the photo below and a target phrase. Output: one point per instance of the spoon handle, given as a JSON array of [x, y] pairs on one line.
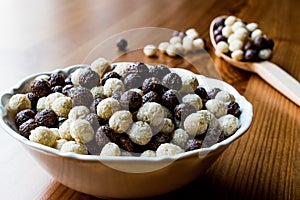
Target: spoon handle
[[279, 79]]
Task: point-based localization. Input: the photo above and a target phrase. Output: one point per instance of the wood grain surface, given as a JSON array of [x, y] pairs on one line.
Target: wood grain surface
[[38, 36]]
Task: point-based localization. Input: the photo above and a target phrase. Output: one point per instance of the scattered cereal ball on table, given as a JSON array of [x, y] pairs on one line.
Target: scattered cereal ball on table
[[122, 44], [229, 124], [23, 116], [216, 107], [195, 124], [113, 85], [120, 121], [107, 107], [180, 137], [82, 131], [46, 117], [26, 127], [101, 66], [64, 130], [43, 135], [162, 47], [172, 50], [110, 149], [168, 149], [140, 132], [78, 112], [150, 50], [18, 102], [89, 79], [75, 147], [148, 153], [152, 113]]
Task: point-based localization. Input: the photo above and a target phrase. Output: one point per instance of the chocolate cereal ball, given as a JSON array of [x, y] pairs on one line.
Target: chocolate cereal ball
[[152, 84], [92, 118], [109, 75], [26, 127], [23, 116], [172, 81], [133, 80], [80, 96], [104, 135], [131, 101], [151, 97], [171, 98], [40, 88], [57, 79], [181, 111], [159, 71], [234, 109], [139, 68], [33, 99], [46, 117], [125, 143], [193, 144], [158, 139], [89, 79]]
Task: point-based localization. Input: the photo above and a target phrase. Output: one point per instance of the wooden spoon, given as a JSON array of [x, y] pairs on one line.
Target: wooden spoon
[[268, 71]]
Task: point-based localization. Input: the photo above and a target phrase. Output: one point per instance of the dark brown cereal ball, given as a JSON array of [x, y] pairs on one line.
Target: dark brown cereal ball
[[26, 127], [105, 134], [171, 98], [249, 45], [220, 38], [219, 22], [234, 109], [212, 137], [261, 42], [125, 143], [218, 30], [40, 88], [213, 92], [251, 55], [122, 44], [89, 79], [66, 89], [46, 117], [93, 148], [193, 144], [151, 97], [92, 118], [181, 111], [56, 79], [81, 96], [158, 139], [57, 88], [93, 107], [172, 81], [131, 100], [133, 80], [139, 68], [201, 92], [109, 75], [159, 71], [33, 99], [23, 116], [152, 84]]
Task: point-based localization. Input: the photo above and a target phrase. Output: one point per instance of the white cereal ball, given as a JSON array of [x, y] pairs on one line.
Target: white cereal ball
[[256, 33], [251, 26], [210, 118], [42, 77], [195, 124], [150, 50], [137, 90], [237, 55], [229, 21], [60, 143], [241, 34], [168, 126], [198, 44], [113, 85], [151, 112], [121, 69], [62, 106], [51, 98], [64, 130], [179, 48], [120, 121], [236, 45], [107, 107], [18, 102], [231, 38], [189, 83], [140, 132], [168, 149], [265, 54], [222, 47], [175, 39], [224, 96], [75, 147], [226, 31], [192, 33], [82, 131], [229, 124], [100, 66], [194, 100], [148, 153], [236, 25], [41, 104], [171, 50], [97, 92], [76, 74], [43, 135], [216, 107], [110, 149], [187, 43], [162, 47], [55, 132], [78, 112], [180, 137]]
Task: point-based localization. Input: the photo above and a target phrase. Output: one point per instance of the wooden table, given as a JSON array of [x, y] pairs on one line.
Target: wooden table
[[38, 36]]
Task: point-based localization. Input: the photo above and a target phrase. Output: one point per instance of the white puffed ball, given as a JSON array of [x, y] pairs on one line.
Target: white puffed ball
[[241, 33], [222, 47], [140, 133], [216, 107], [194, 100], [98, 91], [229, 21], [42, 77], [60, 143], [192, 33], [107, 107], [175, 39], [151, 112], [148, 153], [51, 98], [195, 124], [121, 68], [75, 147], [78, 112], [110, 149], [150, 50], [265, 54], [256, 33], [236, 45], [171, 50], [64, 130], [76, 74], [41, 104], [168, 149], [187, 43], [237, 54], [224, 96], [100, 66], [43, 135], [237, 25], [168, 126], [227, 31], [231, 38], [198, 44], [229, 124], [82, 131], [251, 26], [210, 118], [18, 102], [180, 137], [162, 47], [113, 85], [62, 106], [120, 121]]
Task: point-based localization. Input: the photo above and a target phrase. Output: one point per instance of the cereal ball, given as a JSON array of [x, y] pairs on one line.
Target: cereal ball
[[159, 71], [152, 84], [187, 44], [33, 99], [110, 149], [223, 47], [76, 74], [194, 100], [202, 93], [172, 50], [121, 69], [82, 131], [104, 134], [26, 127], [213, 92], [46, 118], [89, 79], [181, 111], [41, 104], [120, 121], [212, 137], [158, 139], [57, 79], [125, 143], [57, 88], [237, 55], [151, 112], [66, 89], [43, 135], [193, 144], [224, 96], [93, 148], [94, 105], [265, 54], [168, 149], [42, 77], [180, 137], [62, 106], [234, 109], [140, 132], [171, 98], [236, 45], [137, 90], [113, 85], [172, 81], [150, 50], [256, 33], [81, 96], [216, 107], [168, 126], [60, 143], [18, 102], [198, 44], [131, 101], [107, 107], [64, 130], [75, 147], [251, 26], [229, 124], [122, 44], [92, 118], [168, 113], [241, 34], [133, 80], [109, 75], [175, 39], [229, 21], [210, 118], [148, 153], [237, 25], [40, 88], [97, 92], [23, 116], [162, 47], [101, 66], [78, 112], [226, 31], [151, 97], [51, 98], [195, 124], [189, 83]]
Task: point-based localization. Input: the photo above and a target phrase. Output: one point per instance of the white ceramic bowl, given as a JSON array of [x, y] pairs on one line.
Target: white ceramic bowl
[[125, 177]]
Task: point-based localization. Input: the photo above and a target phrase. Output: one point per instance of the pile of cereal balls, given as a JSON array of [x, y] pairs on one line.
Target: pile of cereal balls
[[124, 109], [242, 41]]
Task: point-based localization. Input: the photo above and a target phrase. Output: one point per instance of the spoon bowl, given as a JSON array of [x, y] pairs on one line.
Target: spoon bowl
[[270, 72]]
